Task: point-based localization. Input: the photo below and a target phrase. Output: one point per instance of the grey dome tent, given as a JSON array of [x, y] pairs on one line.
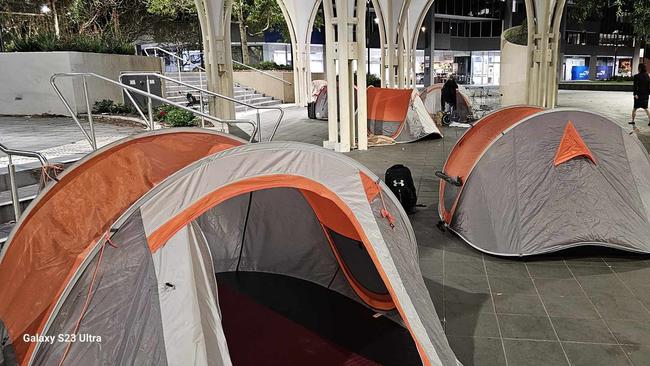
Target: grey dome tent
[[521, 183], [141, 271]]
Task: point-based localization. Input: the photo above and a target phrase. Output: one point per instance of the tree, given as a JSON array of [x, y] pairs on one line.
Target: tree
[[638, 12], [255, 17], [171, 8], [641, 19]]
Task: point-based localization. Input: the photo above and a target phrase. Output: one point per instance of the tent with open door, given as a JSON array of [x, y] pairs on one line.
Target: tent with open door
[[431, 97], [524, 181], [139, 273], [399, 114]]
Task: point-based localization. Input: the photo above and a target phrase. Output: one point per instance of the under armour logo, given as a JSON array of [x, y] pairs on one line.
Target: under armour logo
[[398, 183]]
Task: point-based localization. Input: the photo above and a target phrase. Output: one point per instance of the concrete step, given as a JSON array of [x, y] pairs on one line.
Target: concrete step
[[177, 93], [5, 229], [25, 196], [269, 103]]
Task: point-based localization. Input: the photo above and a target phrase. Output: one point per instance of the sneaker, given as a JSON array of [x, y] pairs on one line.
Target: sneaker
[[631, 123]]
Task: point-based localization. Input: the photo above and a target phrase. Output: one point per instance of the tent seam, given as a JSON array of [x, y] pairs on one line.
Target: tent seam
[[243, 234]]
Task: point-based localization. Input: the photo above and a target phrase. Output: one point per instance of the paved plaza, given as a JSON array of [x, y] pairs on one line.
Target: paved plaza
[[584, 307]]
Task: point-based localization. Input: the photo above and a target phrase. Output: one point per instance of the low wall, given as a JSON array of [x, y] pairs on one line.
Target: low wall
[[595, 85], [513, 83], [25, 79], [270, 86]]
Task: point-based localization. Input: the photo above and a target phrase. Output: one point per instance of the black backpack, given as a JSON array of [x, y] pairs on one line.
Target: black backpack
[[399, 180]]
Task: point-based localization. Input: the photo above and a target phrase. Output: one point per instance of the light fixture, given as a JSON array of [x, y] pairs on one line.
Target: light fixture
[[424, 29], [376, 20], [45, 9]]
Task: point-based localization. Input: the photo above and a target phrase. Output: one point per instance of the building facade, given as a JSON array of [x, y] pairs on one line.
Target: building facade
[[599, 48]]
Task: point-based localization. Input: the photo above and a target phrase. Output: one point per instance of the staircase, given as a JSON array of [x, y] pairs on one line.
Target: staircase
[[28, 183], [177, 93]]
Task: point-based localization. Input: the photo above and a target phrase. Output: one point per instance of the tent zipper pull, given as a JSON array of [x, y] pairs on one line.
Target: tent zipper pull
[[109, 241], [384, 211]]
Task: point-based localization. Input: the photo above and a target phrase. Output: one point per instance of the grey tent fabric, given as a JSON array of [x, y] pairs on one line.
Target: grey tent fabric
[[261, 207], [271, 215], [124, 309], [7, 354], [188, 301], [183, 189], [517, 202]]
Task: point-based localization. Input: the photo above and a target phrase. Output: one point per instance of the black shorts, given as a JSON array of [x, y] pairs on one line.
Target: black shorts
[[641, 102]]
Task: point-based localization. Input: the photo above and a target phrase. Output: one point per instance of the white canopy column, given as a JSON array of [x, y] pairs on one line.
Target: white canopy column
[[389, 13], [415, 14], [300, 16], [544, 18], [399, 26], [214, 17], [345, 42]]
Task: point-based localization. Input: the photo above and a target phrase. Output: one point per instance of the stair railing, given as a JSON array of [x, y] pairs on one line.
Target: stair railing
[[11, 170], [215, 95], [180, 61], [90, 136]]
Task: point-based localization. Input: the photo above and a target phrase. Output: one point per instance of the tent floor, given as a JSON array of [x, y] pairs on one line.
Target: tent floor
[[272, 319]]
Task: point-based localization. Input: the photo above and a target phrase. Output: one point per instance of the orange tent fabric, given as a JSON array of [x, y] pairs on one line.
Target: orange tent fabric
[[469, 148], [388, 105], [572, 146], [67, 224]]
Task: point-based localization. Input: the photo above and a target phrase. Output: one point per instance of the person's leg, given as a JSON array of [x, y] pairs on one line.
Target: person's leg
[[633, 116]]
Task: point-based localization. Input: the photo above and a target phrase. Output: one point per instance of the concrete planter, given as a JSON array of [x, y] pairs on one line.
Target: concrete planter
[[25, 79], [513, 83]]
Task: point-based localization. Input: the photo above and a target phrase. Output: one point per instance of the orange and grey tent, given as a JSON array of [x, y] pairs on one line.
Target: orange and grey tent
[[524, 181], [431, 97], [395, 113], [125, 249], [399, 114]]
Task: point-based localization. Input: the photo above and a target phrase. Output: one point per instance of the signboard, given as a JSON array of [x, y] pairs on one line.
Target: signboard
[[580, 73], [604, 72]]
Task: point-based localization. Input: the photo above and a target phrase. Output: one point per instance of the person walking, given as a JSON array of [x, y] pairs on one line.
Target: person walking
[[641, 92]]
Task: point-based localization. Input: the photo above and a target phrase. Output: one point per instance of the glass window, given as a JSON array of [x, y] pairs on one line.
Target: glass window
[[486, 29], [475, 29], [453, 29], [466, 7], [445, 27], [497, 27]]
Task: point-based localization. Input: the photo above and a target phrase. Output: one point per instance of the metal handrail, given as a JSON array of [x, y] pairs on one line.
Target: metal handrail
[[128, 90], [216, 95], [177, 57], [261, 72], [11, 169], [180, 71]]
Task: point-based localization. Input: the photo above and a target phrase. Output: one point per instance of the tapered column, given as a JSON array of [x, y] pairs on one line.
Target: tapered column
[[544, 19], [346, 52], [214, 17]]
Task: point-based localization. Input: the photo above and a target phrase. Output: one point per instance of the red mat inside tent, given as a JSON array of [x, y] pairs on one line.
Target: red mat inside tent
[[257, 336]]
